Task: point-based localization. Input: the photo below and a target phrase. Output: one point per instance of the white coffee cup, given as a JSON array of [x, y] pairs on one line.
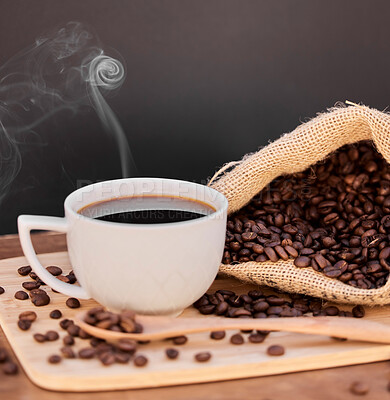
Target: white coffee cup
[[148, 268]]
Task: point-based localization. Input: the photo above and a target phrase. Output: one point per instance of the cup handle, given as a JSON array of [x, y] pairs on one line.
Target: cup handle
[[28, 222]]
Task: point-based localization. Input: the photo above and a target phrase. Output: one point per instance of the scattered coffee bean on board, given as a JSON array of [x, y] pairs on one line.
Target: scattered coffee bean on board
[[87, 353], [3, 355], [127, 345], [54, 359], [51, 336], [54, 270], [67, 352], [28, 315], [171, 353], [73, 330], [275, 350], [140, 361], [72, 302], [2, 290], [332, 217], [25, 270], [358, 311], [107, 358], [217, 335], [359, 388], [38, 337], [24, 324], [68, 340], [202, 356], [21, 295], [237, 339], [10, 368], [179, 340], [56, 314], [122, 358], [31, 285], [39, 297], [256, 338], [65, 323]]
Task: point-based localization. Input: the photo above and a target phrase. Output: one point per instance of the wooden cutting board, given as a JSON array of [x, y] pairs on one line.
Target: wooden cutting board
[[303, 352]]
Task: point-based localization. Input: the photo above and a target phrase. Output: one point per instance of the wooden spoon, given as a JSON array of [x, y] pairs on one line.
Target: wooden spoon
[[160, 327]]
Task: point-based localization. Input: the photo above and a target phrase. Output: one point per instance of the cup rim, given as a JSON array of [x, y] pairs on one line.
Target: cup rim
[[170, 225]]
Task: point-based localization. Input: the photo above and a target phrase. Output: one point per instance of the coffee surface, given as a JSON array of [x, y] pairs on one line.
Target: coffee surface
[[147, 209]]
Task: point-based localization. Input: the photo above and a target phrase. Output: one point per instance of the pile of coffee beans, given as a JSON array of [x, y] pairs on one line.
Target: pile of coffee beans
[[39, 297], [256, 304], [333, 217], [123, 322]]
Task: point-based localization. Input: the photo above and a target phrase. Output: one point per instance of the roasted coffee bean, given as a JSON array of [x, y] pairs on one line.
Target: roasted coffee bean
[[65, 323], [25, 270], [28, 315], [73, 302], [302, 262], [256, 338], [67, 352], [140, 361], [275, 350], [38, 337], [10, 368], [21, 295], [3, 355], [358, 311], [221, 308], [2, 290], [359, 388], [54, 270], [122, 358], [51, 336], [73, 330], [171, 353], [207, 309], [31, 285], [179, 340], [87, 353], [54, 359], [331, 310], [217, 335], [107, 358], [203, 356], [56, 314], [127, 345], [24, 324], [237, 339], [39, 297]]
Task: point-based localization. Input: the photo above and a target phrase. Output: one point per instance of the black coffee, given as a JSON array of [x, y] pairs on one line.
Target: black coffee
[[147, 210]]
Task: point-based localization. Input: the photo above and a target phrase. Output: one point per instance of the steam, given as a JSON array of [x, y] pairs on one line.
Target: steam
[[64, 71]]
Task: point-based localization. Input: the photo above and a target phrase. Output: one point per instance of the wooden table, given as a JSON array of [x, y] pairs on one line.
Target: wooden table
[[330, 384]]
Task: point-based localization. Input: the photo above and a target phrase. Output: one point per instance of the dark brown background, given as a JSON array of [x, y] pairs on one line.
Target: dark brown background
[[208, 81]]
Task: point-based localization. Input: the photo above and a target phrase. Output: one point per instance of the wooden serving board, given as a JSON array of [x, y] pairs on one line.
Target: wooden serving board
[[303, 352]]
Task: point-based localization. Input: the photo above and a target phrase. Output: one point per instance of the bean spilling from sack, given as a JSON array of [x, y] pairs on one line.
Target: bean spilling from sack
[[333, 217]]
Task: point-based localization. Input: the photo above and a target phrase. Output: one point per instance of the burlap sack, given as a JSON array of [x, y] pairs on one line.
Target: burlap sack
[[294, 152]]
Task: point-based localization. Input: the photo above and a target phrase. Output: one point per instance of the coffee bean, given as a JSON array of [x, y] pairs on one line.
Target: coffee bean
[[54, 359], [3, 355], [2, 290], [65, 323], [331, 310], [21, 295], [207, 309], [25, 270], [122, 358], [87, 353], [140, 361], [28, 315], [171, 353], [10, 368], [204, 356], [54, 270], [24, 324], [39, 297], [256, 338], [73, 330], [302, 262], [217, 335], [221, 308], [359, 388], [275, 350], [179, 340], [68, 340], [31, 285], [127, 345], [73, 302], [358, 311], [51, 336], [38, 337], [67, 352], [270, 252], [236, 339], [56, 314]]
